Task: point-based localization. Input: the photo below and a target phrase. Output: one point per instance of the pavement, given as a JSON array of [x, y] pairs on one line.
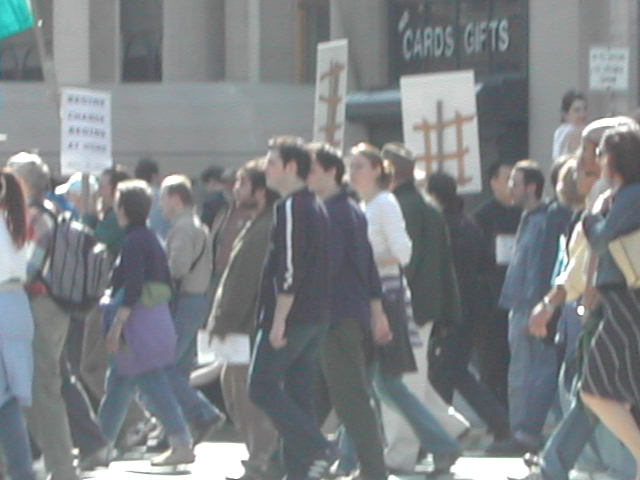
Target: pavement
[[217, 460]]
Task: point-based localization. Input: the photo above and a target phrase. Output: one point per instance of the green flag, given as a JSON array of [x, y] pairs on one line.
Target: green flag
[[15, 16]]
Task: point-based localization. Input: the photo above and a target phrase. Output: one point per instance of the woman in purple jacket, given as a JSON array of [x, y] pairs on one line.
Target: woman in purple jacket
[[140, 332]]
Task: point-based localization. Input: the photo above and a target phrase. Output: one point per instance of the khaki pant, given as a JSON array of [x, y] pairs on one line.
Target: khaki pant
[[402, 444], [47, 417], [254, 426]]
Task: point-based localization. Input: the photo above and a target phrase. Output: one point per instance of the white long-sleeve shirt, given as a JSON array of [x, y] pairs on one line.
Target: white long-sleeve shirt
[[387, 233], [13, 261]]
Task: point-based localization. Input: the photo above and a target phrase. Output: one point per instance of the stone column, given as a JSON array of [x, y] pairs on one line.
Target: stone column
[[554, 67], [193, 40], [71, 41], [242, 40], [364, 22], [104, 24]]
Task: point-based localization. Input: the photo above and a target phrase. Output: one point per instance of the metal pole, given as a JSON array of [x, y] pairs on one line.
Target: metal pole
[[46, 61]]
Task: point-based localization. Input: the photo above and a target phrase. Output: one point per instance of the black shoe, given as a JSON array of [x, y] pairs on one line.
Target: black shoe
[[531, 460], [99, 458], [161, 445], [272, 472], [322, 464], [510, 448], [442, 463]]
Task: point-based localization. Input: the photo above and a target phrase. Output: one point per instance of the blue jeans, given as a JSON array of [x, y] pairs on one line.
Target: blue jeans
[[433, 438], [282, 384], [14, 440], [567, 445], [533, 379], [188, 318], [155, 386]]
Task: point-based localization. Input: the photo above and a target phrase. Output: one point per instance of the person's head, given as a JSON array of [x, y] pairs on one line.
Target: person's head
[[368, 171], [556, 166], [327, 169], [147, 170], [443, 189], [567, 186], [620, 155], [250, 190], [403, 162], [13, 202], [574, 108], [132, 202], [34, 173], [588, 168], [288, 163], [499, 173], [72, 188], [109, 180], [212, 178], [526, 184], [176, 195]]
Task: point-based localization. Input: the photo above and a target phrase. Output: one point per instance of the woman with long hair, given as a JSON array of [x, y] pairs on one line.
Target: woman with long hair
[[16, 329], [611, 382], [371, 177]]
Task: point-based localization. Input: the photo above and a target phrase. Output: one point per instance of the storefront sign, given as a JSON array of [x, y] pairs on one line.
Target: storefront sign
[[489, 36], [608, 69]]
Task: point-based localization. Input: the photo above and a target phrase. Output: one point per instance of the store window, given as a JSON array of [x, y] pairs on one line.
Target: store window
[[488, 36], [141, 29], [19, 57], [314, 27]]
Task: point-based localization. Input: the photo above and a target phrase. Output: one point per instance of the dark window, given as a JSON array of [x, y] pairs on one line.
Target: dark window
[[141, 27], [19, 56], [488, 36], [314, 27]]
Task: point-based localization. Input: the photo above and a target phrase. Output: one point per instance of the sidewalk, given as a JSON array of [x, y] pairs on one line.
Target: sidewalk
[[215, 461]]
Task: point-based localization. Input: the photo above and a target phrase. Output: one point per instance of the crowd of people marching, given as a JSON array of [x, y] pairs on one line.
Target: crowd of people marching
[[324, 284]]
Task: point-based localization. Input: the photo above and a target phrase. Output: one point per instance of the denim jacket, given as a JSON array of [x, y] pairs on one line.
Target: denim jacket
[[528, 276], [623, 218]]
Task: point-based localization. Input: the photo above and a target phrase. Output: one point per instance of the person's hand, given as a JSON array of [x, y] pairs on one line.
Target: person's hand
[[380, 328], [115, 332], [276, 336], [113, 337], [539, 320]]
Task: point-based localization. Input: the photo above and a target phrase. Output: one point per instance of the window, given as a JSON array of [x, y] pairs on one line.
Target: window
[[19, 56], [488, 36], [314, 27], [141, 29]]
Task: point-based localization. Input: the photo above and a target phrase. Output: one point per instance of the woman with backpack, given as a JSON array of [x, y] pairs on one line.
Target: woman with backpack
[[16, 329]]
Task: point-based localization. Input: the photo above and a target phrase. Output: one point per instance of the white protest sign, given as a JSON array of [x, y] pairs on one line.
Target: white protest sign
[[609, 69], [86, 131], [331, 92], [440, 126]]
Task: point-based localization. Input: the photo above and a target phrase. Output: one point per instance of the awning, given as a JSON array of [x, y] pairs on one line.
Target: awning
[[504, 97]]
